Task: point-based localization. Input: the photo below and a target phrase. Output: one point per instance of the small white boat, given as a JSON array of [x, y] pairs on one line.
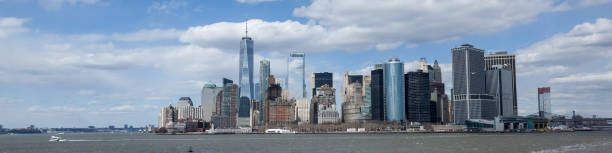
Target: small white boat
[[56, 139], [278, 131]]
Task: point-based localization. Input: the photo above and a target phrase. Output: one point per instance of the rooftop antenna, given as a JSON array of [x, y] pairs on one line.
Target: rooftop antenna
[[246, 30]]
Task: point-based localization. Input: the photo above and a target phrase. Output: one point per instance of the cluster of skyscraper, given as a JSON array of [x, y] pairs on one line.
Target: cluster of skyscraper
[[388, 94], [484, 87]]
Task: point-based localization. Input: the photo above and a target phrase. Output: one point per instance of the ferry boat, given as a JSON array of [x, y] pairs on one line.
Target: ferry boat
[[56, 139], [279, 131]]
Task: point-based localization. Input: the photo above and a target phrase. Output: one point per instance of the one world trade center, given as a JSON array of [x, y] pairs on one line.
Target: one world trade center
[[245, 75]]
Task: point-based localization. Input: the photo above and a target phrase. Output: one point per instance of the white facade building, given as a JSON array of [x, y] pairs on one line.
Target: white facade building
[[303, 111]]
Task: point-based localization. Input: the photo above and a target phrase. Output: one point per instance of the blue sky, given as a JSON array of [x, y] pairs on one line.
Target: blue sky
[[74, 63]]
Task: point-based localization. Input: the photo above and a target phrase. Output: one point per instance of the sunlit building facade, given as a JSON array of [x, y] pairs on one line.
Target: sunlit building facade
[[295, 76], [394, 90], [209, 98]]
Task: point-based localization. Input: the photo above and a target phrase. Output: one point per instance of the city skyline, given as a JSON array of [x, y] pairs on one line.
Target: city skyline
[[115, 75]]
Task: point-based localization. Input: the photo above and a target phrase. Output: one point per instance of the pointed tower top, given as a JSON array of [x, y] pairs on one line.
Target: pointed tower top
[[246, 30]]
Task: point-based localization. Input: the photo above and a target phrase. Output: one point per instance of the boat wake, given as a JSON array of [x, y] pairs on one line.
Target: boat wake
[[601, 146]]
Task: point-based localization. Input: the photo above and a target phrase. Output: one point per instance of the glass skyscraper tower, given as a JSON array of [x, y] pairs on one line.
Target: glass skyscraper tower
[[245, 75], [393, 73], [264, 76], [295, 76]]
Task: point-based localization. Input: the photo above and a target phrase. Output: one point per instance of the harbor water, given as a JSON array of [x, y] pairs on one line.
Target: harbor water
[[596, 141]]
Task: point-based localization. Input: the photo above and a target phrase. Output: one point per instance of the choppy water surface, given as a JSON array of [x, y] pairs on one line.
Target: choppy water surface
[[600, 141]]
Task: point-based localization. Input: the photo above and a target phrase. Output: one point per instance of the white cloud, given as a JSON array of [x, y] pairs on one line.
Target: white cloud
[[166, 6], [573, 65], [361, 25], [268, 36], [531, 70], [254, 1], [11, 25], [582, 78], [586, 42], [387, 24], [58, 4], [386, 46], [123, 108], [75, 66]]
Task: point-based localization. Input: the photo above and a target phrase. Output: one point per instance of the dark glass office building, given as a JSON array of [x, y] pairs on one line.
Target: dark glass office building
[[377, 95], [417, 97], [320, 79], [470, 100]]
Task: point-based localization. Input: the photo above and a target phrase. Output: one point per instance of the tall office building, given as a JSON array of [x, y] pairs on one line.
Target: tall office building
[[441, 107], [256, 92], [227, 112], [279, 112], [437, 73], [272, 93], [366, 109], [544, 105], [168, 116], [230, 101], [377, 93], [417, 97], [245, 75], [499, 85], [348, 79], [209, 98], [393, 73], [352, 104], [319, 79], [507, 61], [255, 114], [366, 81], [469, 93], [323, 106], [431, 71], [186, 110], [439, 104], [295, 76], [264, 80], [302, 111]]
